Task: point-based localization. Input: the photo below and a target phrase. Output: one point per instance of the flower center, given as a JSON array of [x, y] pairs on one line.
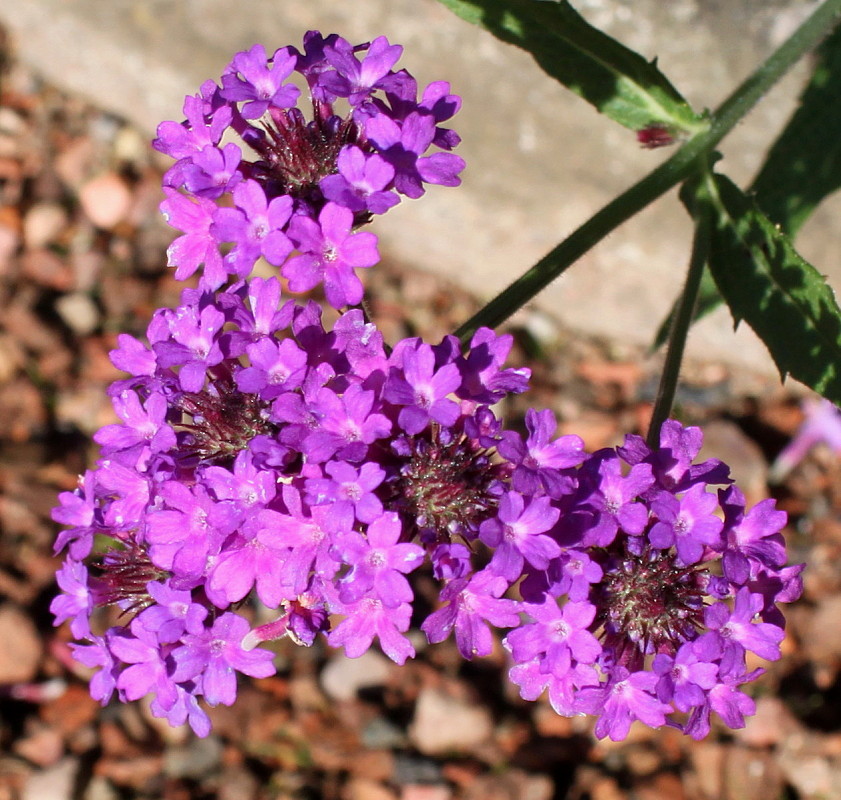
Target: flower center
[[221, 421], [296, 153], [652, 605], [447, 488], [122, 578]]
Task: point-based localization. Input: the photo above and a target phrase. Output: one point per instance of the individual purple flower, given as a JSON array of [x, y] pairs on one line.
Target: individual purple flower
[[563, 683], [442, 105], [685, 678], [540, 460], [257, 312], [554, 632], [129, 493], [777, 586], [256, 228], [687, 523], [483, 378], [422, 389], [276, 367], [203, 128], [309, 539], [252, 560], [356, 79], [628, 697], [302, 619], [212, 171], [186, 527], [751, 539], [362, 182], [737, 627], [132, 356], [330, 251], [185, 710], [149, 667], [437, 101], [98, 654], [821, 424], [368, 619], [728, 702], [76, 601], [672, 461], [378, 562], [347, 485], [403, 145], [312, 63], [578, 573], [172, 614], [144, 431], [725, 699], [346, 425], [78, 510], [246, 484], [450, 561], [198, 246], [251, 79], [213, 657], [194, 345], [518, 535], [613, 497], [472, 604]]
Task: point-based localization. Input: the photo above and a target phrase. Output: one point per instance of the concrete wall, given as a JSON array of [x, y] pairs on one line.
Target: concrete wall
[[540, 161]]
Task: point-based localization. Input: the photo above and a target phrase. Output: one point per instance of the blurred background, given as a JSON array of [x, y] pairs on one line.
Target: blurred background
[[82, 258]]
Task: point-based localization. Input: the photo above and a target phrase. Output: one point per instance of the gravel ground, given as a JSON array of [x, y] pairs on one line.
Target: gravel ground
[[82, 259]]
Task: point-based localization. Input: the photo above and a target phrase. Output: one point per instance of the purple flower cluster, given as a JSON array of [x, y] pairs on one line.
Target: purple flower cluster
[[660, 589], [261, 456], [302, 187], [264, 463]]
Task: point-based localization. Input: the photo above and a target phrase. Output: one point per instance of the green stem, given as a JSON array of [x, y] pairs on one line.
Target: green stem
[[680, 326], [660, 180]]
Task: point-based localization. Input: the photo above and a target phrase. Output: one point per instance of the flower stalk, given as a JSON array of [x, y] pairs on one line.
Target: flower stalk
[[697, 149]]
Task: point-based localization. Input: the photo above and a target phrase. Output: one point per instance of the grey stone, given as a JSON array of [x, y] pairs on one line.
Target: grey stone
[[381, 734], [540, 161], [195, 759], [446, 724]]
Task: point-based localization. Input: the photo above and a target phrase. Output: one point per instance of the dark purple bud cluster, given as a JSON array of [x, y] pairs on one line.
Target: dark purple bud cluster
[[265, 461]]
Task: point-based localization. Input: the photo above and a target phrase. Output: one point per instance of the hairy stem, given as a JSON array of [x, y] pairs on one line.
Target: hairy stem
[[680, 327]]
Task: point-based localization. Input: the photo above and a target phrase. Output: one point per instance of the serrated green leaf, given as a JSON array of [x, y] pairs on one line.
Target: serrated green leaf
[[766, 283], [617, 81], [804, 165]]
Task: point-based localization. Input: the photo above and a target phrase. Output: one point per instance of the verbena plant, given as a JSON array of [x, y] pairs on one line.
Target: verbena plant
[[265, 461]]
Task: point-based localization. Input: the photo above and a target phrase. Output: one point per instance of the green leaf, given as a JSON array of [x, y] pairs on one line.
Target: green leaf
[[804, 165], [617, 81], [768, 284]]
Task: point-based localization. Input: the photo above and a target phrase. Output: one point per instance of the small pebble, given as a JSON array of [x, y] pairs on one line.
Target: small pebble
[[55, 783], [21, 647], [79, 312], [343, 677], [105, 199], [42, 223], [444, 724]]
